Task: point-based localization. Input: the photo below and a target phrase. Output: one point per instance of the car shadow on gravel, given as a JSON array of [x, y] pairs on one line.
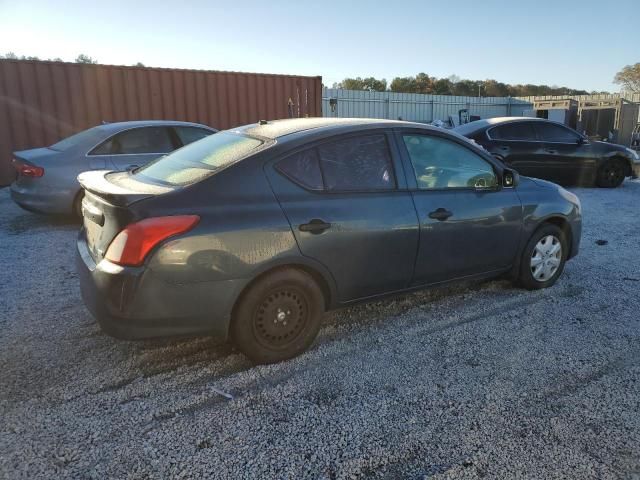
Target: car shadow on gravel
[[32, 221], [164, 355]]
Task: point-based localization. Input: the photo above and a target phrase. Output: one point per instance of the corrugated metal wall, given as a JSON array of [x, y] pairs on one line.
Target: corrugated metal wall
[[416, 107], [42, 102]]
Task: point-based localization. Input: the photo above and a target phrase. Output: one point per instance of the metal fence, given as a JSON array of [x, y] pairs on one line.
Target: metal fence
[[427, 108], [414, 106], [42, 102]]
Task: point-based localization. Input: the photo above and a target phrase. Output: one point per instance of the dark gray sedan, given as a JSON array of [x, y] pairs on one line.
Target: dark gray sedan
[[47, 177], [255, 232]]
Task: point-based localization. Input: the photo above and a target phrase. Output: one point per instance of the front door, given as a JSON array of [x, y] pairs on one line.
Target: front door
[[567, 158], [469, 224], [346, 210], [517, 145]]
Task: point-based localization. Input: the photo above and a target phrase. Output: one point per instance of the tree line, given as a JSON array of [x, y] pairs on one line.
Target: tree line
[[454, 85], [81, 58]]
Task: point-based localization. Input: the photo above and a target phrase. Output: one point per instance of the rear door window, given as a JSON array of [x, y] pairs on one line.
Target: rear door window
[[522, 131], [189, 135], [550, 132], [359, 163], [137, 141]]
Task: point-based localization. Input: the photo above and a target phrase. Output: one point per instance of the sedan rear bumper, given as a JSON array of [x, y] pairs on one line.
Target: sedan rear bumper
[[132, 303], [41, 202]]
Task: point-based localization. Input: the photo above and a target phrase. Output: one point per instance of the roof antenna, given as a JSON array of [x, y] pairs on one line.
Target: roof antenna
[[262, 122]]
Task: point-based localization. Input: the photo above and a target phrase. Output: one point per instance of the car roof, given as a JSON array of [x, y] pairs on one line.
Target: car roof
[[117, 126], [275, 129]]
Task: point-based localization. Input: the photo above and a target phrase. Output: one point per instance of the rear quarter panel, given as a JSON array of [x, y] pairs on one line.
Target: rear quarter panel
[[242, 233]]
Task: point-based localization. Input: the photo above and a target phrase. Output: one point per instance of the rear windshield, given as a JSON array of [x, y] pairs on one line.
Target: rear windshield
[[76, 139], [200, 159]]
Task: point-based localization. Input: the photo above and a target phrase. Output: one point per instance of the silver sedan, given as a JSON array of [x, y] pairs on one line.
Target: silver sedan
[[47, 177]]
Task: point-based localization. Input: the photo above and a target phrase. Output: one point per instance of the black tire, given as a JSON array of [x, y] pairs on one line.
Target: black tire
[[528, 278], [278, 317], [611, 173], [77, 204]]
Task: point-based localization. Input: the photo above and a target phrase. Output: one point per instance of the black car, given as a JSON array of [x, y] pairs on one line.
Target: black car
[[255, 232], [543, 149]]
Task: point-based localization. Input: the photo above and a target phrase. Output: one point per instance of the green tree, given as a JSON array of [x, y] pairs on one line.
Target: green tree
[[424, 83], [493, 88], [82, 58], [369, 83], [442, 86], [465, 88], [629, 78], [403, 85]]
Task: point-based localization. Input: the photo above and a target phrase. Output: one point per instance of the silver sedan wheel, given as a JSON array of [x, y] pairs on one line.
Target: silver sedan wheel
[[546, 258]]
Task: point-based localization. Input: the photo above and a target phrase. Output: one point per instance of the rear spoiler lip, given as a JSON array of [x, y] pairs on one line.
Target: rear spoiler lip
[[95, 182], [20, 155]]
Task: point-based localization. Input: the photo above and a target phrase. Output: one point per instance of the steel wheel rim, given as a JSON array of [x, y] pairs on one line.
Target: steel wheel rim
[[280, 318], [546, 258]]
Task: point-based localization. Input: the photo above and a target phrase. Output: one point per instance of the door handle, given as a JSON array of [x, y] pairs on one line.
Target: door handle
[[314, 226], [551, 150], [440, 214]]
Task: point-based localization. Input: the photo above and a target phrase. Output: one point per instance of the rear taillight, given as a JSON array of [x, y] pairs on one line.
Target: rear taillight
[[131, 245], [26, 170]]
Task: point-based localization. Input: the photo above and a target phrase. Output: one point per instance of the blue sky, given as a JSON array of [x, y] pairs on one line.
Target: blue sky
[[579, 44]]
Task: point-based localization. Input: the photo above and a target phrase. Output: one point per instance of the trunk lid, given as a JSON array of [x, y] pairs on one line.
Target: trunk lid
[[105, 209], [34, 155]]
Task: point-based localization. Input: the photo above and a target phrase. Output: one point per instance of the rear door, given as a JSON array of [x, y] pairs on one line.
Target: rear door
[[348, 206], [567, 159], [469, 224]]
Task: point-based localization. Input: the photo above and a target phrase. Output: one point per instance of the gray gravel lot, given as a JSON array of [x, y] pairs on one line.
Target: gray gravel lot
[[481, 380]]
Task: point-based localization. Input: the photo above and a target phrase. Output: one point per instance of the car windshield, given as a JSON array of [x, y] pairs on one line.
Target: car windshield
[[75, 139], [199, 159]]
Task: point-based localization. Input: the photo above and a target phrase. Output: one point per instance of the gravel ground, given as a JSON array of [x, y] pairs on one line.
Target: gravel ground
[[480, 380]]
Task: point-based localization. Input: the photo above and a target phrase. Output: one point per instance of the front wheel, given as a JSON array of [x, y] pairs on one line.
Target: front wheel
[[543, 258], [611, 174], [278, 317]]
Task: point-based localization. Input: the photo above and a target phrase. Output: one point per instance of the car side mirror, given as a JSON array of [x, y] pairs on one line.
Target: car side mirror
[[581, 141], [510, 178]]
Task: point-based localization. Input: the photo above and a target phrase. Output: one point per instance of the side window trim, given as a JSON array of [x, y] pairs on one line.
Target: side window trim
[[535, 132], [315, 145], [166, 127], [408, 165], [562, 127], [534, 126]]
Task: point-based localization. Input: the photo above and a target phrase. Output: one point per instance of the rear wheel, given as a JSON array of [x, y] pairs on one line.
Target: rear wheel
[[278, 317], [611, 174], [543, 258]]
